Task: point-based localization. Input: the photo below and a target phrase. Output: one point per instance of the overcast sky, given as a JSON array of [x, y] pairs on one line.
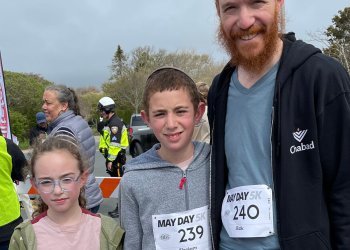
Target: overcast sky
[[72, 42]]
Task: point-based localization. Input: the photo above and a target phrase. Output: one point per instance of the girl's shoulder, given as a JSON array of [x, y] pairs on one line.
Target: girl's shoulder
[[23, 236], [111, 232]]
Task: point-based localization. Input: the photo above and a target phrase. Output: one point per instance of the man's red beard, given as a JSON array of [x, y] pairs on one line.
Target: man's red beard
[[246, 55]]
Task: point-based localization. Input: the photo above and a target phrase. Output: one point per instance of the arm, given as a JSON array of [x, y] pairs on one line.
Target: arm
[[129, 216], [32, 136], [334, 134], [100, 126], [17, 242], [18, 160]]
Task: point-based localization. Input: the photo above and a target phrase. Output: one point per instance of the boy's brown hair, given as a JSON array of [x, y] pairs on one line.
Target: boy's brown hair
[[167, 79]]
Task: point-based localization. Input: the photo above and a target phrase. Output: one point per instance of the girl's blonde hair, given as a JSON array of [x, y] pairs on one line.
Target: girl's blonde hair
[[51, 144]]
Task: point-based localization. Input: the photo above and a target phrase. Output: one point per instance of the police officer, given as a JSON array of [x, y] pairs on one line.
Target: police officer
[[113, 140]]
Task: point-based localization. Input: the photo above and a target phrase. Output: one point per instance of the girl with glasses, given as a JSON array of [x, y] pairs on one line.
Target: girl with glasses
[[59, 173]]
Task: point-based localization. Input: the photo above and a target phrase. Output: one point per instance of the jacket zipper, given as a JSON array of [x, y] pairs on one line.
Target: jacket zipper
[[184, 184], [272, 167], [210, 180]]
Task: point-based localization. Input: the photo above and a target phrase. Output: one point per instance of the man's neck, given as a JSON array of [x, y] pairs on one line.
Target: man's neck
[[248, 78], [110, 115]]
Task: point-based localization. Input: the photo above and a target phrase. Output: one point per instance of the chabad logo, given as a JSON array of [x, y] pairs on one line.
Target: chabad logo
[[299, 136]]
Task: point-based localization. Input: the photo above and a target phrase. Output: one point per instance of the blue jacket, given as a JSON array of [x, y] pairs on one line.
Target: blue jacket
[[310, 149], [74, 125]]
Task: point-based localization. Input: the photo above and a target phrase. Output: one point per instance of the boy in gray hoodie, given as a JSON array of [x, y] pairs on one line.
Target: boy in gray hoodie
[[164, 192]]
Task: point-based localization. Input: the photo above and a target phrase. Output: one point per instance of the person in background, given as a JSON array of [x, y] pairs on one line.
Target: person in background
[[201, 131], [12, 162], [39, 132], [169, 182], [279, 114], [59, 173], [113, 141], [61, 108]]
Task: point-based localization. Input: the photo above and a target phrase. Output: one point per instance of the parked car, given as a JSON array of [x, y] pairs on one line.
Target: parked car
[[141, 137]]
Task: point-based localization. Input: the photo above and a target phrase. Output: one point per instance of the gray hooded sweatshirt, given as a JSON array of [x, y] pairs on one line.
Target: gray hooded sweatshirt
[[151, 186]]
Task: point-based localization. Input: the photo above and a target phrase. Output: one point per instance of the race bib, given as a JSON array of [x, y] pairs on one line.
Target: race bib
[[187, 230], [247, 211]]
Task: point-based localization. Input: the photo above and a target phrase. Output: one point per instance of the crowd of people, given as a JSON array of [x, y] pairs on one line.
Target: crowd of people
[[258, 160]]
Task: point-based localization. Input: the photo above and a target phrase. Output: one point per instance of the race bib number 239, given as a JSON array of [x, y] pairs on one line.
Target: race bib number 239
[[184, 230]]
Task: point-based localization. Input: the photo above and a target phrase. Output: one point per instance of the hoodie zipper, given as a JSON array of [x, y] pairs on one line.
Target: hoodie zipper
[[183, 184], [210, 180]]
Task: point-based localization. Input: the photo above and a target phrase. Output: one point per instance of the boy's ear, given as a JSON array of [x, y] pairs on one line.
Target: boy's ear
[[200, 112], [145, 117]]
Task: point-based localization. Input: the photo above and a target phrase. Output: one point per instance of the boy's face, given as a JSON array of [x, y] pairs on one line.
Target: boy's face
[[172, 117]]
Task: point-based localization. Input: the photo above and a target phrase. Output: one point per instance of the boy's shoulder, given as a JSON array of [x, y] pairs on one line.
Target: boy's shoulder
[[146, 160], [201, 148]]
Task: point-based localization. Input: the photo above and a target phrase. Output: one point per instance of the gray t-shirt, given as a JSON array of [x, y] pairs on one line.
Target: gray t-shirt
[[248, 147]]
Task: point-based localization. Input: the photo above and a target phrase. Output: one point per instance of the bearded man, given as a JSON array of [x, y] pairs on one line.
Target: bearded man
[[279, 114]]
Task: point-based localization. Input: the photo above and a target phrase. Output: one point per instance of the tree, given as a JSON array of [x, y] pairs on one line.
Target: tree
[[24, 99], [127, 89], [338, 38], [88, 100], [119, 61]]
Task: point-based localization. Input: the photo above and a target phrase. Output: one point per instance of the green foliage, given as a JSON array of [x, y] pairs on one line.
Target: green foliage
[[24, 98], [20, 125], [118, 63], [127, 88], [24, 143], [338, 36]]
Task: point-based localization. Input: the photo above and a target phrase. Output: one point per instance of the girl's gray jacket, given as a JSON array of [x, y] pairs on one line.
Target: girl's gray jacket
[[75, 126], [151, 186]]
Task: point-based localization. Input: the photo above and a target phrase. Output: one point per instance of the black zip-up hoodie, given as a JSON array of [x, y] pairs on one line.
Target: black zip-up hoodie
[[310, 149]]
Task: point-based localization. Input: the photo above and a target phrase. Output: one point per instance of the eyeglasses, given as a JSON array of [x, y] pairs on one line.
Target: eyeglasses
[[48, 185]]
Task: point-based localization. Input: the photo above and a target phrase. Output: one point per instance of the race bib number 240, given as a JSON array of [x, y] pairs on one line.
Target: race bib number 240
[[247, 211]]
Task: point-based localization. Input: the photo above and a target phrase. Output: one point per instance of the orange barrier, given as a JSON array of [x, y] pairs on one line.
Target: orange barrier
[[108, 186]]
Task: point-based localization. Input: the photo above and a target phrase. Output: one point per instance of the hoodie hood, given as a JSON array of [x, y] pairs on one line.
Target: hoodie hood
[[295, 53], [151, 159]]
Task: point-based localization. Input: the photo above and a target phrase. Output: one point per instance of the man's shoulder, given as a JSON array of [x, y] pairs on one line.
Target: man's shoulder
[[115, 121]]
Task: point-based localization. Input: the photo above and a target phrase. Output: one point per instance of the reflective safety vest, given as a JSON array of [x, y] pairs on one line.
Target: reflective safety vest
[[9, 204], [114, 138]]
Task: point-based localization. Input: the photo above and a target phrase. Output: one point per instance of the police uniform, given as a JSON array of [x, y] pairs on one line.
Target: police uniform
[[113, 143]]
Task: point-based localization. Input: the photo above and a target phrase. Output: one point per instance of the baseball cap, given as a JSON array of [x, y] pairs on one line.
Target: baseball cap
[[40, 117]]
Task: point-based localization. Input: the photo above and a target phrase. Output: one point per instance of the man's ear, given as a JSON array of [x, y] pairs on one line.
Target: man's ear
[[145, 117], [200, 112], [280, 4]]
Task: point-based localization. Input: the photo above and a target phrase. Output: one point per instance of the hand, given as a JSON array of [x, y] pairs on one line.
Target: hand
[[109, 166]]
